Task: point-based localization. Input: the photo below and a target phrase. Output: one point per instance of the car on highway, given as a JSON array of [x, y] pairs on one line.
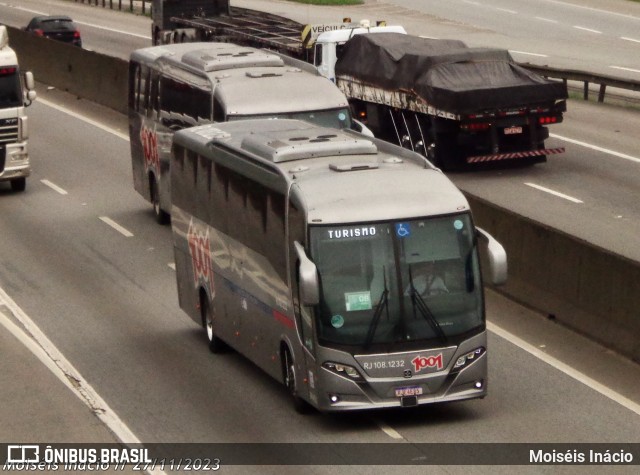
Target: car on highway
[[56, 27]]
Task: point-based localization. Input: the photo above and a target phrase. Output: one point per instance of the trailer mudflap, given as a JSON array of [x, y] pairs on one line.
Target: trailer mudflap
[[514, 155]]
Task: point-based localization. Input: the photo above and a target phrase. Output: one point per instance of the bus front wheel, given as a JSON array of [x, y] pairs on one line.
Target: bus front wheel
[[289, 374]]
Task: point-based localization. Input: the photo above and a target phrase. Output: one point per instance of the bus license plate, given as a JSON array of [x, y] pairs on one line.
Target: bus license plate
[[512, 130], [409, 391]]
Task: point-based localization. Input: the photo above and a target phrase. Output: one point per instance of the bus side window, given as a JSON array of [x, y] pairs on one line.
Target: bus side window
[[256, 212], [236, 206], [143, 97], [219, 198], [190, 177], [274, 232], [134, 86], [153, 110]]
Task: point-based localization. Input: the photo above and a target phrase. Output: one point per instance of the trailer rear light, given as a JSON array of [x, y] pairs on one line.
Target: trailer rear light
[[476, 126], [38, 32], [362, 115], [547, 120], [76, 35]]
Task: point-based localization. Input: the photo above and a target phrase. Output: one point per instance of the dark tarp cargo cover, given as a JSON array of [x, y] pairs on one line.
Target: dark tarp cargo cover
[[445, 73]]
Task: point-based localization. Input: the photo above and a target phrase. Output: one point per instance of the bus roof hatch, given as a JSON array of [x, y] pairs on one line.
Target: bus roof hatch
[[209, 60], [302, 144]]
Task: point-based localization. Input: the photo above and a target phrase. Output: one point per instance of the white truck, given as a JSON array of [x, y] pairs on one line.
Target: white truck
[[16, 93]]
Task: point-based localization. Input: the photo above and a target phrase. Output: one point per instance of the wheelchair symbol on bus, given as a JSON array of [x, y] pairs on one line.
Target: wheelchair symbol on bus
[[402, 230]]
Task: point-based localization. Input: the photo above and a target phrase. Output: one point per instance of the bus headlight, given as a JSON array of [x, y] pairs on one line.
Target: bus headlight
[[466, 360], [343, 370]]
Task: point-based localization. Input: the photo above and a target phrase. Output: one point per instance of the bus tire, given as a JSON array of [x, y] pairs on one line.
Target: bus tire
[[289, 379], [162, 217], [216, 345], [19, 184]]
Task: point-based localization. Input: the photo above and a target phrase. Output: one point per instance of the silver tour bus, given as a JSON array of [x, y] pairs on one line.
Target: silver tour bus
[[344, 266], [182, 85]]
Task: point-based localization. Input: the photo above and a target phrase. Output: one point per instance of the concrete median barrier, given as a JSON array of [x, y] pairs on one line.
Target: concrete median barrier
[[90, 75], [578, 284]]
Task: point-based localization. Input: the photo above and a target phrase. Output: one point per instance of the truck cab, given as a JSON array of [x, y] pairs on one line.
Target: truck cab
[[16, 92], [329, 43]]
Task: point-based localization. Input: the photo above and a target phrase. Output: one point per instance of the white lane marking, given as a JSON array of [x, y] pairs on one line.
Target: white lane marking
[[122, 230], [93, 25], [391, 432], [554, 193], [629, 39], [83, 118], [586, 29], [506, 10], [53, 186], [549, 20], [599, 10], [529, 54], [565, 368], [42, 348], [596, 148], [626, 69], [28, 10], [471, 3], [172, 265]]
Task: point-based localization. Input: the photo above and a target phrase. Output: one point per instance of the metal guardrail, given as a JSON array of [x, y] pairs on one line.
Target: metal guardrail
[[133, 5], [566, 75], [586, 78]]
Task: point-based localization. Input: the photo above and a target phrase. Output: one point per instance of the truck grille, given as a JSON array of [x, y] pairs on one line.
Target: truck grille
[[8, 130]]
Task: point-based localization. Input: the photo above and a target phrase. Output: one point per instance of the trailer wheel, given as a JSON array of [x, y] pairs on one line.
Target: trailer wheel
[[19, 184], [216, 345], [289, 379], [446, 155], [162, 217], [430, 151]]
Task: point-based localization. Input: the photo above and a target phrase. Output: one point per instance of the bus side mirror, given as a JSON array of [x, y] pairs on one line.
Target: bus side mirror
[[360, 127], [497, 258], [308, 274]]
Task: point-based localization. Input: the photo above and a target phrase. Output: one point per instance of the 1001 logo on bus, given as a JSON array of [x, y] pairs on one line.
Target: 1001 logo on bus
[[149, 141], [200, 252], [422, 362]]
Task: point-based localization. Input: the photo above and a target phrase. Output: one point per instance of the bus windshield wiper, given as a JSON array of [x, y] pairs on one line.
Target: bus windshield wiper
[[419, 303], [383, 303]]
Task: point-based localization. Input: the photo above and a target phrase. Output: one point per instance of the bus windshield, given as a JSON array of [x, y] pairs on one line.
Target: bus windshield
[[333, 118], [397, 284]]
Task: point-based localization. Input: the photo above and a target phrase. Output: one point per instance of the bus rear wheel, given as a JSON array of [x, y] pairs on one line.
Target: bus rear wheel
[[162, 217], [216, 345], [289, 375]]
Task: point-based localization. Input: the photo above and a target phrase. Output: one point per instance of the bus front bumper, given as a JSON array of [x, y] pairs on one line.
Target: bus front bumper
[[347, 395]]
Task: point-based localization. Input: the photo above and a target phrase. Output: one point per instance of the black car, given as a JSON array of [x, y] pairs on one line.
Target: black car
[[56, 27]]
